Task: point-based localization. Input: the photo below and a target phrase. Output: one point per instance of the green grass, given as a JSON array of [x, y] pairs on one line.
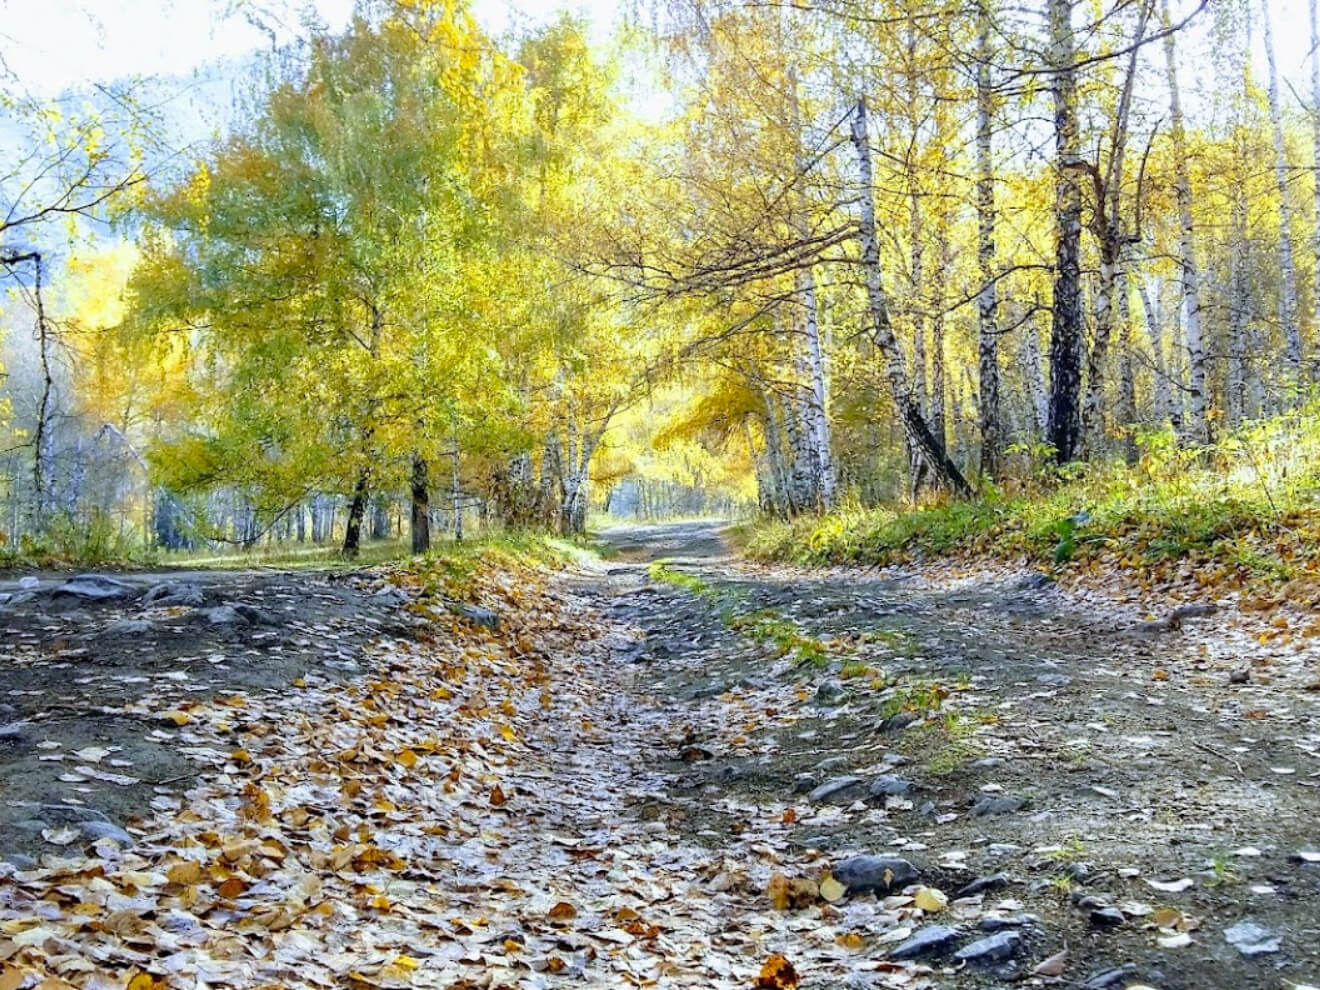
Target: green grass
[[1248, 506]]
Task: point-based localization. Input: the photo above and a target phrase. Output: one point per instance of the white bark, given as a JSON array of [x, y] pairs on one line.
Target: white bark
[[916, 431], [1292, 332], [1199, 430], [1315, 145], [819, 398]]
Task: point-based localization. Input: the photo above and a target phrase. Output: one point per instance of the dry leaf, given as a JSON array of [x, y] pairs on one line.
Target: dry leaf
[[777, 974]]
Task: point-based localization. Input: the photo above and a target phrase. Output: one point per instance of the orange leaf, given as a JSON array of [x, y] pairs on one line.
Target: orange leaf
[[777, 974], [497, 797], [563, 911], [231, 888]]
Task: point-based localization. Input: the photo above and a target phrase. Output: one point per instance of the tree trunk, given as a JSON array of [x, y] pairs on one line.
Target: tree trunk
[[1065, 424], [1163, 397], [915, 429], [419, 484], [987, 299], [1035, 372], [356, 510], [1315, 145], [1127, 386], [1191, 273], [456, 495], [1292, 332], [819, 397]]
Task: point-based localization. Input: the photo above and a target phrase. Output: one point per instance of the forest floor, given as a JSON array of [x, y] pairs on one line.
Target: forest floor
[[670, 768]]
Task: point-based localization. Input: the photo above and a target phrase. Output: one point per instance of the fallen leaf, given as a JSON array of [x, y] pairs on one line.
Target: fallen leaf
[[930, 900], [831, 889], [777, 974], [1053, 966], [1171, 886], [563, 911]]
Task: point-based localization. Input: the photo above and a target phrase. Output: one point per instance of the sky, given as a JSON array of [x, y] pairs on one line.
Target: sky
[[54, 44], [51, 45]]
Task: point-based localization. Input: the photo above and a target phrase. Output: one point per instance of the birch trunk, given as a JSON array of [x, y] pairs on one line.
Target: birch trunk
[[1065, 424], [916, 431], [1315, 144], [1199, 429], [992, 431], [419, 485], [1162, 400], [1292, 333], [1127, 386], [819, 399], [1035, 372], [456, 495]]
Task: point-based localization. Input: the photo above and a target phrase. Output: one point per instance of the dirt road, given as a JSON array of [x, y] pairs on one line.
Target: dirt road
[[665, 769]]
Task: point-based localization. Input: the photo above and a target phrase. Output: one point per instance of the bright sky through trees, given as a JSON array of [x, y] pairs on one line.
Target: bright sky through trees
[[55, 44]]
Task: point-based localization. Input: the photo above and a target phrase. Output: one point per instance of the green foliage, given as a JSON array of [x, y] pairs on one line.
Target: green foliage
[[94, 540], [1247, 505]]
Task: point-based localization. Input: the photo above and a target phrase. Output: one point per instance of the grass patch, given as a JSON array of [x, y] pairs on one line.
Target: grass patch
[[1243, 511]]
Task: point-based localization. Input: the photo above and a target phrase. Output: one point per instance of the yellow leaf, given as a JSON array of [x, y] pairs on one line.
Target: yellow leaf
[[852, 941], [185, 873], [777, 889], [177, 717], [507, 732], [831, 889], [931, 900], [406, 758], [406, 962]]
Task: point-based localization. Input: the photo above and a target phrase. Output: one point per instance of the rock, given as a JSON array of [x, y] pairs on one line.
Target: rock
[[1240, 676], [1035, 582], [994, 924], [106, 830], [19, 860], [880, 874], [987, 763], [69, 814], [928, 809], [479, 616], [29, 583], [129, 628], [1195, 610], [933, 940], [830, 692], [803, 783], [1107, 917], [991, 949], [833, 763], [224, 615], [898, 721], [1252, 939], [12, 731], [256, 616], [982, 884], [390, 595], [95, 587], [887, 784], [170, 594], [1003, 848], [31, 825], [1107, 978], [997, 804], [838, 789]]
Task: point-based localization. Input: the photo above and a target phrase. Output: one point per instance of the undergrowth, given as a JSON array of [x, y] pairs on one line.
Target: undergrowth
[[1242, 511]]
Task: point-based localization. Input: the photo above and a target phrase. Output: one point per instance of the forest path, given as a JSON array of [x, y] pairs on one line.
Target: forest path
[[634, 779], [1111, 774]]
